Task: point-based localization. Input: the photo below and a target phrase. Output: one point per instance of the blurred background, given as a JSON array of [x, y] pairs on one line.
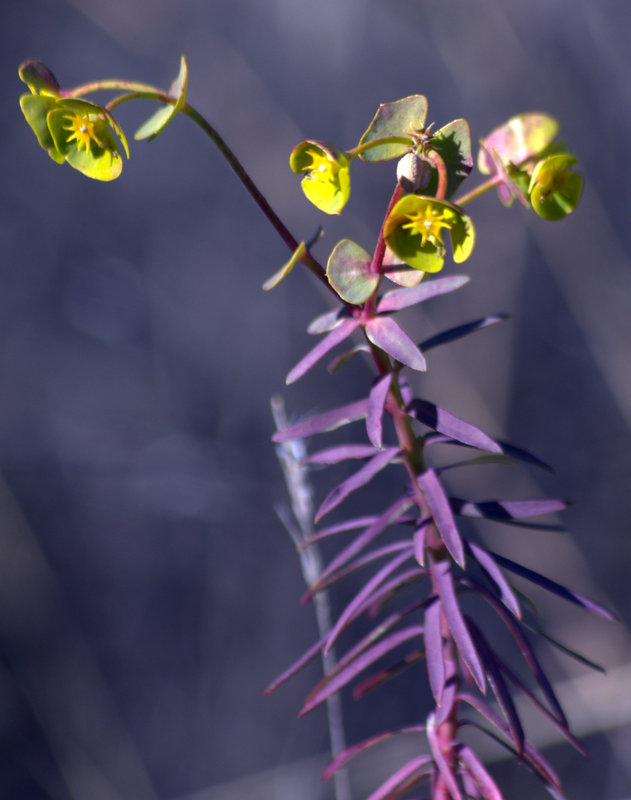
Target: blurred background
[[148, 591]]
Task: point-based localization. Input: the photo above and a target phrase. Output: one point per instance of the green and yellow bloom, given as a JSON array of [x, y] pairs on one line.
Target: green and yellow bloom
[[414, 232], [326, 181], [555, 191]]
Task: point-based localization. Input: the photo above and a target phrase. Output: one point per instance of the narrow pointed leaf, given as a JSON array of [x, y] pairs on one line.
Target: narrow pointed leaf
[[284, 271], [434, 650], [331, 340], [527, 651], [498, 685], [461, 331], [368, 535], [475, 768], [344, 452], [419, 541], [508, 509], [304, 659], [403, 779], [346, 755], [564, 648], [329, 686], [323, 423], [385, 675], [449, 698], [442, 514], [444, 422], [392, 339], [327, 321], [488, 565], [357, 480], [364, 593], [376, 404], [556, 588], [163, 116], [440, 760], [457, 624], [340, 527], [403, 298]]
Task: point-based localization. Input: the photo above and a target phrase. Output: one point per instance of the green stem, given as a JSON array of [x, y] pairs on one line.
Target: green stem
[[361, 148], [495, 180], [143, 91]]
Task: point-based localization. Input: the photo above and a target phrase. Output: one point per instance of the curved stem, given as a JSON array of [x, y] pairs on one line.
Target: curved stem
[[438, 162], [490, 183]]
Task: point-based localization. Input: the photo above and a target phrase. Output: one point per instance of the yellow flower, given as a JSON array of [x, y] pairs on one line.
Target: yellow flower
[[326, 181], [414, 232]]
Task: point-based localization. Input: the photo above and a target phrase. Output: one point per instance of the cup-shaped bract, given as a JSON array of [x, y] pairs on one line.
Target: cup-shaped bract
[[554, 190], [326, 182], [414, 232], [39, 78]]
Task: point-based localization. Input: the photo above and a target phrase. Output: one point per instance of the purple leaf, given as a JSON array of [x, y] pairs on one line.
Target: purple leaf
[[403, 779], [327, 321], [564, 648], [440, 760], [357, 480], [385, 675], [392, 339], [442, 514], [330, 578], [449, 698], [376, 404], [434, 650], [556, 588], [508, 509], [323, 423], [329, 685], [540, 707], [364, 593], [474, 767], [403, 298], [340, 527], [444, 422], [523, 455], [391, 588], [531, 756], [457, 625], [418, 539], [346, 755], [334, 455], [460, 331], [331, 340], [524, 645], [311, 653], [366, 536], [494, 573], [498, 685]]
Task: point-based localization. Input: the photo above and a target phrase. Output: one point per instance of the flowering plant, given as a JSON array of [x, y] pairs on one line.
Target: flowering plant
[[424, 567]]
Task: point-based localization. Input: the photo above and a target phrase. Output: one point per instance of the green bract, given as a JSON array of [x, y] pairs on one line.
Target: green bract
[[403, 120], [76, 131], [327, 182], [523, 137], [554, 190], [38, 78], [414, 232]]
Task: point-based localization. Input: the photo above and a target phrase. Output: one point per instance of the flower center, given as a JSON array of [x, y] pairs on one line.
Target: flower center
[[428, 223], [82, 130]]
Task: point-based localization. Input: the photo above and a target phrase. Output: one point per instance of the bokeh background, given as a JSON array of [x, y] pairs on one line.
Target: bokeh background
[[148, 591]]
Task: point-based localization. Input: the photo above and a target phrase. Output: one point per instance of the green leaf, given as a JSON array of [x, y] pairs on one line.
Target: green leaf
[[453, 144], [523, 137], [39, 78], [327, 182], [348, 271], [163, 116], [35, 108], [284, 271], [401, 119]]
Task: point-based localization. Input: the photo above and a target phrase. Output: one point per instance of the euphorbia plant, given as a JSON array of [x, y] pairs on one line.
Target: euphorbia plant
[[420, 577]]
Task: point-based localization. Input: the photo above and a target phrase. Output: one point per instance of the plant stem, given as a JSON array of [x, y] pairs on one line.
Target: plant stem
[[484, 187]]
